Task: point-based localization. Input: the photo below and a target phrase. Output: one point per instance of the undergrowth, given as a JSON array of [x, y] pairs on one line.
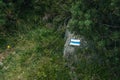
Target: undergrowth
[[37, 55]]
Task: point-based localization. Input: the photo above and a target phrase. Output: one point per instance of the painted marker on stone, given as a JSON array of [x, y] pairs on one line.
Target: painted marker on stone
[[75, 42]]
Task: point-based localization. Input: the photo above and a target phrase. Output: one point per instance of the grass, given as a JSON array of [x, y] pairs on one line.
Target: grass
[[37, 55]]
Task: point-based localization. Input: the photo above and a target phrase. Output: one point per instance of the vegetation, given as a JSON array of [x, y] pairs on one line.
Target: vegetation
[[32, 39], [98, 22]]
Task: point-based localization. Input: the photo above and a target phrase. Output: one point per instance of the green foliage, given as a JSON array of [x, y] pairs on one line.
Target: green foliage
[[97, 21], [2, 15], [38, 47], [16, 14]]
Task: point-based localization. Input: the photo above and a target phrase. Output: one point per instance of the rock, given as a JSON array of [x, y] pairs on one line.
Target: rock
[[68, 50]]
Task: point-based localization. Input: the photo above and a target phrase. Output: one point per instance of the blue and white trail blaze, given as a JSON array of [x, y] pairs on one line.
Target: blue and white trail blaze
[[75, 42]]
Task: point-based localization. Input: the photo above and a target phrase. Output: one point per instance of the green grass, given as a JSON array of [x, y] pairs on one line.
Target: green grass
[[37, 55]]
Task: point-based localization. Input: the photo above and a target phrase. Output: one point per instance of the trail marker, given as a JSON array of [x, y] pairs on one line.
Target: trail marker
[[75, 42]]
